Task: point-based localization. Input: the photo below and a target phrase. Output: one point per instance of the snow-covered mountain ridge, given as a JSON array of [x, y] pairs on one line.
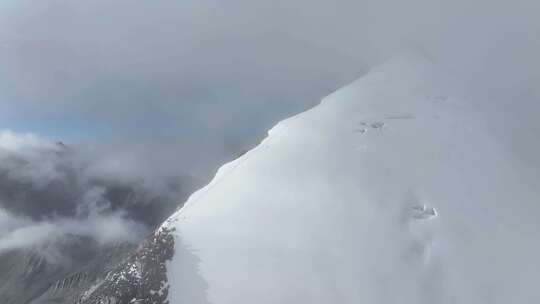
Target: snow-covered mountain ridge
[[392, 190]]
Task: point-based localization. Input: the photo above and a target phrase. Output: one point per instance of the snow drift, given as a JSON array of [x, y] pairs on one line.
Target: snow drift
[[392, 190]]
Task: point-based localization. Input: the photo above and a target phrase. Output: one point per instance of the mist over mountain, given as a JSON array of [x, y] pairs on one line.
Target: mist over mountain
[[48, 190]]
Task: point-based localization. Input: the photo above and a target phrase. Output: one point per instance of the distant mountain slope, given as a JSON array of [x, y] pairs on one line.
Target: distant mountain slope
[[78, 270], [59, 227], [390, 191], [58, 272]]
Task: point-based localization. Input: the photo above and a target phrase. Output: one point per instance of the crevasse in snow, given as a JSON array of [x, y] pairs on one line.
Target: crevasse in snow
[[390, 191]]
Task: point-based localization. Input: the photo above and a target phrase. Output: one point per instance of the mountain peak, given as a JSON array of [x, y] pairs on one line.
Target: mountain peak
[[391, 183]]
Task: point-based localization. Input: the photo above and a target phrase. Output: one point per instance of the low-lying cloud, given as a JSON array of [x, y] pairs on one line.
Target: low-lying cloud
[[48, 190], [19, 232]]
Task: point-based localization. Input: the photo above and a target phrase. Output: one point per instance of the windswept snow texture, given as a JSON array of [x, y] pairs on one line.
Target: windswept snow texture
[[390, 191]]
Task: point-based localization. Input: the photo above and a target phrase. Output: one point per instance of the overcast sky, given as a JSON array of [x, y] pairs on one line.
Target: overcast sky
[[207, 78], [214, 75], [146, 92]]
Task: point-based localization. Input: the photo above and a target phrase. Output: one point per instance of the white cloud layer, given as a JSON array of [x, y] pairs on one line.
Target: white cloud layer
[[17, 232], [49, 190]]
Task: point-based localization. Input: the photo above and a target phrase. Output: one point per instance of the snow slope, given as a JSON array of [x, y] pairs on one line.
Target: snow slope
[[390, 191]]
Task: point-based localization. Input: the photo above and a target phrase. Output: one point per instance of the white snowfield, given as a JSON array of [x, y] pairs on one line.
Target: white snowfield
[[392, 190]]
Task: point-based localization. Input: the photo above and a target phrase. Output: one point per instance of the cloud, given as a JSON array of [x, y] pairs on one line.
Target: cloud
[[49, 190], [18, 233], [20, 143], [206, 79], [198, 81]]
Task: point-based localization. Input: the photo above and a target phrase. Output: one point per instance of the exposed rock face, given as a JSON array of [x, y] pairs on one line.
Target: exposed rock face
[[74, 267], [57, 272], [114, 273], [141, 278]]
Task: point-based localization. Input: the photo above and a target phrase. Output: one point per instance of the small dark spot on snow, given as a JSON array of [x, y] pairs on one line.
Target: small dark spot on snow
[[377, 125], [361, 131], [422, 212]]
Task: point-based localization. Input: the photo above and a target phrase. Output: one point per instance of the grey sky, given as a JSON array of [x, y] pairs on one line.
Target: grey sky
[[210, 77], [111, 66]]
